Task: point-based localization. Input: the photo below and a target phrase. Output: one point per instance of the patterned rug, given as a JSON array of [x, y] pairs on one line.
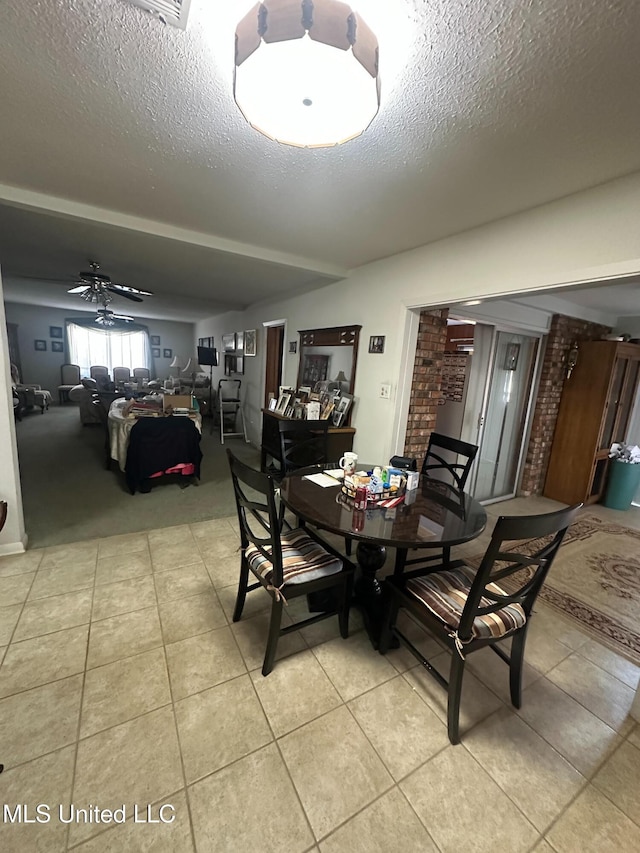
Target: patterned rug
[[595, 581]]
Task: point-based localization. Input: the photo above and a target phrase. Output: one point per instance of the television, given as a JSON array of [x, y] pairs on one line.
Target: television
[[208, 356]]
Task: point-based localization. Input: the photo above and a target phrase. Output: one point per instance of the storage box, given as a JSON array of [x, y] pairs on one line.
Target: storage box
[[176, 401]]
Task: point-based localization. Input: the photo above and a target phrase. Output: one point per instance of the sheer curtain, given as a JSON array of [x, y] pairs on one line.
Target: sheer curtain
[[126, 347]]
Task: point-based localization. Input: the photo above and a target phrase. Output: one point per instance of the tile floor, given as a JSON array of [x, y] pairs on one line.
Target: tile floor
[[123, 681]]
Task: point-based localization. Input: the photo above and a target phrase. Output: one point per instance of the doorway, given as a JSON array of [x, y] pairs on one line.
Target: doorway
[[273, 361]]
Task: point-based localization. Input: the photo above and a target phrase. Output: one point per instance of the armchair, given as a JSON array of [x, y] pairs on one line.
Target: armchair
[[30, 395]]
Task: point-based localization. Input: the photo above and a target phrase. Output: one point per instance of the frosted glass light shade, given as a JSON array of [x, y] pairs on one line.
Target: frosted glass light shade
[[306, 79]]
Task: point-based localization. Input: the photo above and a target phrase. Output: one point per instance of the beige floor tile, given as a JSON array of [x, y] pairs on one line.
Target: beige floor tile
[[402, 658], [122, 690], [536, 777], [29, 729], [476, 702], [187, 617], [353, 665], [634, 736], [334, 768], [463, 808], [210, 736], [122, 545], [296, 692], [388, 824], [594, 688], [220, 546], [46, 615], [174, 837], [203, 661], [113, 599], [166, 536], [581, 737], [543, 651], [122, 567], [8, 620], [20, 564], [180, 583], [329, 629], [42, 659], [45, 781], [15, 588], [72, 554], [612, 663], [233, 810], [494, 673], [123, 636], [57, 580], [546, 620], [182, 552], [135, 762], [619, 779], [251, 637], [592, 824], [212, 528], [404, 731], [256, 602], [542, 847], [224, 570]]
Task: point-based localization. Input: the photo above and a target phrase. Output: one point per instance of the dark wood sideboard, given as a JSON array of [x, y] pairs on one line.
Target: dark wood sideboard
[[339, 439]]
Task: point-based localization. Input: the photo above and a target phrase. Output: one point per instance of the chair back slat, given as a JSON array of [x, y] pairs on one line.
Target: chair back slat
[[302, 443], [254, 512], [537, 538], [438, 464]]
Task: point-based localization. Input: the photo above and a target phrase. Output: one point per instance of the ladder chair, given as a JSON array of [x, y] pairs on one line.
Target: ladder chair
[[230, 409]]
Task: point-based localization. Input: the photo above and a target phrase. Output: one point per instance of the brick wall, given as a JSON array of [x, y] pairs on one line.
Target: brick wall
[[426, 383], [562, 333]]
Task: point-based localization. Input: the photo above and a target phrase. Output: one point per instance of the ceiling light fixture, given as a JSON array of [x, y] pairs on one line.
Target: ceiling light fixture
[[306, 72]]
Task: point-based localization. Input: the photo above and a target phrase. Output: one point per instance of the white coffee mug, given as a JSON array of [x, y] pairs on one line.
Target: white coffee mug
[[348, 462]]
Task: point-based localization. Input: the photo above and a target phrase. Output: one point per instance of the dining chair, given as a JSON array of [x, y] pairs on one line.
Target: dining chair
[[141, 373], [302, 443], [121, 374], [98, 370], [69, 378], [285, 562], [467, 609]]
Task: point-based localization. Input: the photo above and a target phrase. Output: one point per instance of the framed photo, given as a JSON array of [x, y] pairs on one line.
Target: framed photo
[[327, 410], [376, 343], [239, 364], [293, 346], [511, 356], [341, 409], [338, 418], [239, 341], [250, 342], [283, 403], [315, 369], [40, 346], [57, 346], [206, 342], [229, 342], [155, 352], [167, 353], [55, 332], [229, 365], [155, 340], [272, 404]]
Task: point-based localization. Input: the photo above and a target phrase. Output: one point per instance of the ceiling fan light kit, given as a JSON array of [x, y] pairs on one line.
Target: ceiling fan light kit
[[306, 72]]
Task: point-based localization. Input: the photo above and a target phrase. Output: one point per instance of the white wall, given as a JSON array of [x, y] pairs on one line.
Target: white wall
[[34, 322], [583, 237], [13, 537]]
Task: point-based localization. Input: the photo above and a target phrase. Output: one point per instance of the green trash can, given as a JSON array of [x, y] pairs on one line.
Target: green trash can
[[623, 483]]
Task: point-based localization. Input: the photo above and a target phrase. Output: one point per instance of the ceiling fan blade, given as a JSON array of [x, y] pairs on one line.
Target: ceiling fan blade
[[136, 290], [79, 288], [115, 289]]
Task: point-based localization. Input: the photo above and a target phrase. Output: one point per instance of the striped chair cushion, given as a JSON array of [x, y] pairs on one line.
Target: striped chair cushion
[[444, 594], [302, 559]]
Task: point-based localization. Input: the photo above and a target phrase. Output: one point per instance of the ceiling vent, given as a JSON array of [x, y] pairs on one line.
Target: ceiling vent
[[173, 12]]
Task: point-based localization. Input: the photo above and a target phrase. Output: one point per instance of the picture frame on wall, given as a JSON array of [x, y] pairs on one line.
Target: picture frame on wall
[[167, 353], [155, 352], [250, 342], [240, 342], [155, 340], [206, 342], [239, 364], [57, 346], [376, 343], [40, 346], [229, 365], [229, 342], [55, 331]]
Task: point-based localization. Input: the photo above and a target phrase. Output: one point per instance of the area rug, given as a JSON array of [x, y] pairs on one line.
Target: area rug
[[595, 581]]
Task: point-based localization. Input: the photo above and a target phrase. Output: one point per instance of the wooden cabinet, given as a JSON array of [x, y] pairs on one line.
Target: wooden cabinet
[[596, 405], [339, 439]]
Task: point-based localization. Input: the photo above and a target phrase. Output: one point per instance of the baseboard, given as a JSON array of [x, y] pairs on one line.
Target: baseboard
[[7, 548]]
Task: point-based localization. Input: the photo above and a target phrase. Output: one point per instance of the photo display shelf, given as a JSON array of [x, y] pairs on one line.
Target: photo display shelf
[[453, 376], [314, 403]]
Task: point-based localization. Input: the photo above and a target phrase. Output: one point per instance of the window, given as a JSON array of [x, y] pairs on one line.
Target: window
[[109, 347]]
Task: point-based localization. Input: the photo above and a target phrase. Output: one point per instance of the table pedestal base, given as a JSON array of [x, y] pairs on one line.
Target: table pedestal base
[[368, 590]]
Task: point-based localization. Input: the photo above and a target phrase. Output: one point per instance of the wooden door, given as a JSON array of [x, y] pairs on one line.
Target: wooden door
[[273, 371]]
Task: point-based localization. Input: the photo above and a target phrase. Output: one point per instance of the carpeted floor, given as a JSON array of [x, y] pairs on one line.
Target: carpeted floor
[[69, 496], [595, 581]]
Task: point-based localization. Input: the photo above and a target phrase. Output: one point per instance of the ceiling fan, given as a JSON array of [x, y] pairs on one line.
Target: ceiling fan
[[93, 286], [107, 318]]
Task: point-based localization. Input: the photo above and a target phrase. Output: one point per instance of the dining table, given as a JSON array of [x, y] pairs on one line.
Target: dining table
[[435, 515]]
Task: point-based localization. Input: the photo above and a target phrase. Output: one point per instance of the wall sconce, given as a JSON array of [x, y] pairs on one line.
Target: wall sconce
[[572, 358]]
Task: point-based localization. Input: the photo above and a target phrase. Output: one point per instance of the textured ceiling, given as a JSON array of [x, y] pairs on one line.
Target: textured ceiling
[[488, 108]]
